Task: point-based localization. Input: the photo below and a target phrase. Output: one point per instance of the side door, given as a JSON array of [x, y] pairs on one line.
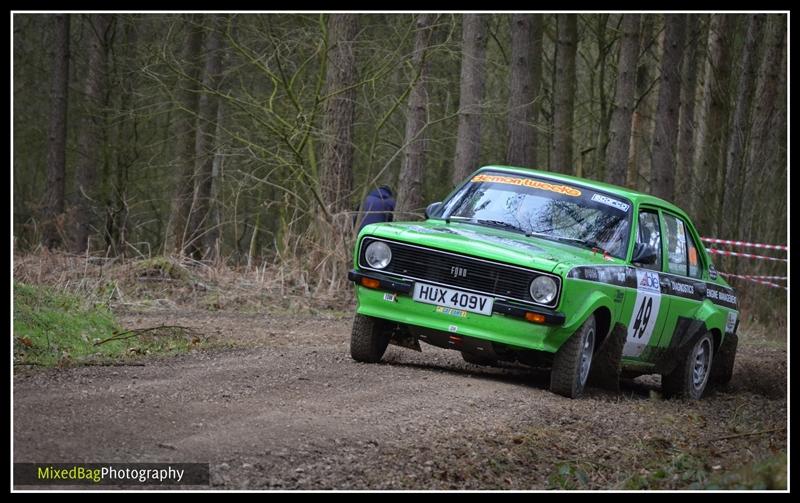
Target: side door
[[649, 307], [684, 279]]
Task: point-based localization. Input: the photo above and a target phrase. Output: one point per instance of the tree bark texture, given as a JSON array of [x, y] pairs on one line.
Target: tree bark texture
[[523, 101], [57, 134], [564, 93], [620, 131], [409, 191], [337, 149], [473, 76], [665, 136]]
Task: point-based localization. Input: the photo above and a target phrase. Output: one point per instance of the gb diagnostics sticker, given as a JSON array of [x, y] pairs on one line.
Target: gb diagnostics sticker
[[645, 312]]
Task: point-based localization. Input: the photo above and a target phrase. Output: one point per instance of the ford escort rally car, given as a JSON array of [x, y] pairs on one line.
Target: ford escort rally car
[[592, 280]]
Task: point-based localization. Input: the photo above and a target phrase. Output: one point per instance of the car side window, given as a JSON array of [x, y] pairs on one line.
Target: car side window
[[695, 266], [650, 234], [675, 238]]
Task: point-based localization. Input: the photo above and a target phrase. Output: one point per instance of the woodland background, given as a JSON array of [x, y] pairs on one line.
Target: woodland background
[[247, 141]]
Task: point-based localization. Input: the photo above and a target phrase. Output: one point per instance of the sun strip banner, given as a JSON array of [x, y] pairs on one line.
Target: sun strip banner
[[745, 244], [528, 182], [746, 255]]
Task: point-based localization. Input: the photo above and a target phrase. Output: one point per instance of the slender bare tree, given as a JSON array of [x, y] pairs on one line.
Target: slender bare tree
[[712, 132], [620, 131], [57, 133], [409, 190], [337, 150], [473, 76], [178, 230], [92, 133], [523, 100], [737, 140], [564, 93], [669, 100], [684, 180]]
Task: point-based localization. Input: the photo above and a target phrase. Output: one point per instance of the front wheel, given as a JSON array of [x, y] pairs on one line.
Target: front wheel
[[690, 377], [368, 340], [573, 360]]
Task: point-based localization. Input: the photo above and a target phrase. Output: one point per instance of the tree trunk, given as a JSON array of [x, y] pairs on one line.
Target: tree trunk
[[337, 150], [564, 93], [523, 101], [737, 140], [57, 135], [766, 141], [185, 138], [712, 133], [409, 190], [92, 134], [620, 130], [473, 76], [669, 101], [641, 119], [205, 144], [684, 183]]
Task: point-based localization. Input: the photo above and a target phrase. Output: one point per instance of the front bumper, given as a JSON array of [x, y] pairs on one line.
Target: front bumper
[[507, 325]]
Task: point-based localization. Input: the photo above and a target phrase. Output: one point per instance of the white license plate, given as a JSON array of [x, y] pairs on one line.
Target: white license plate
[[449, 297]]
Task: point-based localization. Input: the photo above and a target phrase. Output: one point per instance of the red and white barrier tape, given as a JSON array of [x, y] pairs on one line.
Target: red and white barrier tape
[[746, 255], [745, 243], [750, 278], [753, 276]]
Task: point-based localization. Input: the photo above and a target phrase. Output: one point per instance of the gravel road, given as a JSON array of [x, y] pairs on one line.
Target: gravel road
[[287, 408]]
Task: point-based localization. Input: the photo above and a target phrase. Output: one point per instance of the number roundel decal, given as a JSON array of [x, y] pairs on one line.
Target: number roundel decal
[[644, 314]]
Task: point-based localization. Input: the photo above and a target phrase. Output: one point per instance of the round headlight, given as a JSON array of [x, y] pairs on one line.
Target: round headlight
[[543, 289], [378, 254]]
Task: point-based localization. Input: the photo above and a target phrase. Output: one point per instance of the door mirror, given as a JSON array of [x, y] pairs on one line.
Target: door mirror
[[432, 209], [643, 254]]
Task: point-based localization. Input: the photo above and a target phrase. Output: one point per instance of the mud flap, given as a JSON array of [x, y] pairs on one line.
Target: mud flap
[[722, 367], [607, 361]]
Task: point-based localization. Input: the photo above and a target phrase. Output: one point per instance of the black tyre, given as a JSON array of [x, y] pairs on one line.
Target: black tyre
[[690, 378], [724, 359], [477, 359], [573, 361], [369, 339]]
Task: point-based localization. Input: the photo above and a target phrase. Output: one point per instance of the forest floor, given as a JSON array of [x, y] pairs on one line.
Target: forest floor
[[284, 407], [274, 401]]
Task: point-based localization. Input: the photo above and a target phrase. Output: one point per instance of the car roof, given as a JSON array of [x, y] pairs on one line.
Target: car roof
[[633, 195]]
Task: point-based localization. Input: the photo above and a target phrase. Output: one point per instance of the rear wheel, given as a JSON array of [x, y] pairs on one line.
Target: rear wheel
[[573, 361], [690, 378], [369, 339]]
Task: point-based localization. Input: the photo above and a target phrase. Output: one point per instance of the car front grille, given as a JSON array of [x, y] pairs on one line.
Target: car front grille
[[436, 266]]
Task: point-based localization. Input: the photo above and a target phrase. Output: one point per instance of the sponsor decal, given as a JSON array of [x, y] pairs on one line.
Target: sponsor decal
[[389, 297], [528, 182], [645, 313], [452, 312], [721, 297], [730, 324], [452, 328], [648, 281], [681, 288], [600, 198]]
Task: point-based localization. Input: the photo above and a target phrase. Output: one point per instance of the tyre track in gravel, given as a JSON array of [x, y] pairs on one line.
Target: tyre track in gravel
[[288, 408]]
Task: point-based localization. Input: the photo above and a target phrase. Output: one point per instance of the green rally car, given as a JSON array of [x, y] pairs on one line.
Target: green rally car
[[589, 279]]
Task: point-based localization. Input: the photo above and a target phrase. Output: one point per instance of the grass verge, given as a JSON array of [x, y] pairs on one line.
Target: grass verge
[[53, 328]]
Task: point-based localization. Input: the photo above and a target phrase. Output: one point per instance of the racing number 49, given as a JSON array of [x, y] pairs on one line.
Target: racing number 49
[[642, 318]]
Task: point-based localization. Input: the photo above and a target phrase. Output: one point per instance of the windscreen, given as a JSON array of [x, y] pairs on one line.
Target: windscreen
[[544, 208]]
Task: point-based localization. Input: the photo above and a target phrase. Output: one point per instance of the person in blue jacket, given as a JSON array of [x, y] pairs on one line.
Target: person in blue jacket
[[377, 206]]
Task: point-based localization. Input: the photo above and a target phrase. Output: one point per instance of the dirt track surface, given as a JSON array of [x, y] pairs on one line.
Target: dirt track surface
[[287, 408]]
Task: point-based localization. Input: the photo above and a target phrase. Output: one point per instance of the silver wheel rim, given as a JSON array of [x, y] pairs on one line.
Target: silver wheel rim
[[702, 359], [586, 356]]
